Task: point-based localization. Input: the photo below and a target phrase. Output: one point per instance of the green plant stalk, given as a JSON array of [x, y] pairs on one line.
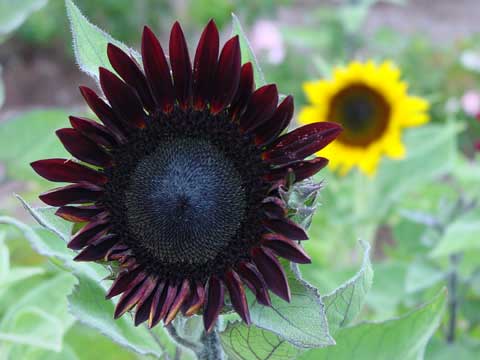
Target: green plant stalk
[[212, 346], [452, 297]]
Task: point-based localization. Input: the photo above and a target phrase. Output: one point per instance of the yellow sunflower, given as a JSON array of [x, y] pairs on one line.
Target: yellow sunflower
[[373, 106]]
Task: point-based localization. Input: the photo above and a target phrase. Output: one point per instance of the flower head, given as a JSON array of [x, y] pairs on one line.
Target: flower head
[[180, 184], [373, 107]]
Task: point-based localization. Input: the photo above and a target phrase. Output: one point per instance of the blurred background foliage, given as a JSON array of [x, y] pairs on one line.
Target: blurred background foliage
[[420, 214]]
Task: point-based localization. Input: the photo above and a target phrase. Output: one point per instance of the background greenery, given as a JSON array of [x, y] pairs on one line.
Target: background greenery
[[419, 215]]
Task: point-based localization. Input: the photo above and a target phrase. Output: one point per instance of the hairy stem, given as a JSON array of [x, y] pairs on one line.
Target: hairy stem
[[181, 341], [212, 347]]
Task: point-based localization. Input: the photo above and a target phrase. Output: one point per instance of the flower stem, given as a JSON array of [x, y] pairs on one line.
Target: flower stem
[[172, 331], [212, 347]]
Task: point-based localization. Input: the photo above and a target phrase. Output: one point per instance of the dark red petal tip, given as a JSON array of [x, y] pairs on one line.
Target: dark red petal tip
[[94, 131], [83, 148], [63, 170], [286, 248], [227, 75], [125, 280], [181, 296], [255, 281], [271, 129], [204, 65], [99, 250], [272, 271], [237, 295], [302, 142], [302, 169], [72, 194], [131, 74], [78, 213], [104, 112], [245, 89], [260, 108], [122, 98], [181, 66], [213, 304], [157, 70], [286, 227]]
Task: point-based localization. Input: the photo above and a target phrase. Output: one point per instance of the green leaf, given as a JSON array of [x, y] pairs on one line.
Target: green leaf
[[462, 349], [247, 51], [431, 152], [344, 303], [80, 338], [88, 304], [34, 353], [14, 13], [461, 235], [302, 322], [90, 42], [242, 342], [34, 131], [51, 240], [2, 89], [404, 338], [341, 306], [34, 321], [421, 275], [4, 259]]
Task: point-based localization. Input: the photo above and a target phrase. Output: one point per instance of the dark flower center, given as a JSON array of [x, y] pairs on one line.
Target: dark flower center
[[185, 194], [185, 201], [363, 113]]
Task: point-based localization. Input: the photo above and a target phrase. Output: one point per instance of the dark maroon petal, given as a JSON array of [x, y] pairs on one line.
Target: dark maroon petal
[[122, 97], [260, 107], [237, 295], [302, 142], [94, 131], [131, 74], [273, 127], [169, 299], [181, 296], [124, 281], [272, 272], [195, 300], [302, 169], [118, 252], [181, 66], [72, 194], [286, 227], [88, 234], [254, 280], [157, 70], [157, 304], [83, 148], [205, 64], [145, 303], [104, 113], [78, 213], [63, 170], [274, 207], [99, 250], [286, 248], [133, 295], [214, 303], [244, 91], [227, 75]]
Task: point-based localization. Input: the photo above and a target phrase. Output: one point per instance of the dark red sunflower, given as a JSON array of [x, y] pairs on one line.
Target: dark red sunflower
[[180, 184]]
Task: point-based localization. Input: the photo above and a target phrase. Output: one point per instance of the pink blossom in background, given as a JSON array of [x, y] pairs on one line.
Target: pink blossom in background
[[266, 38], [471, 102]]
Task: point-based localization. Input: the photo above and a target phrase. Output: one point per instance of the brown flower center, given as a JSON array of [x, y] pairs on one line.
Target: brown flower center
[[363, 113]]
